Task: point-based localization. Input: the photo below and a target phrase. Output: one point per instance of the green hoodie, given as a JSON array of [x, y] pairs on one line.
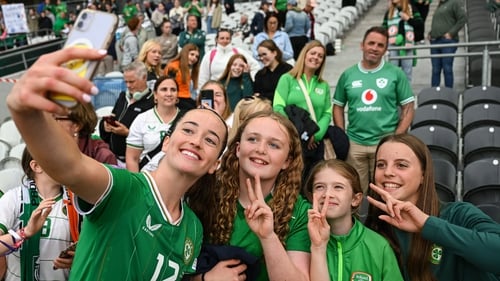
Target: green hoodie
[[360, 254]]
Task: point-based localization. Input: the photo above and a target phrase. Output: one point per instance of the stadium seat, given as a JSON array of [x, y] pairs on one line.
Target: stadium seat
[[438, 95], [482, 142], [481, 94], [441, 141], [11, 177], [435, 114], [17, 151], [492, 210], [481, 180], [4, 149], [10, 162], [9, 133], [445, 176], [480, 115]]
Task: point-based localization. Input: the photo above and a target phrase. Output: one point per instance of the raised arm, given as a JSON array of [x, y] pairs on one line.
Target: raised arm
[[32, 111]]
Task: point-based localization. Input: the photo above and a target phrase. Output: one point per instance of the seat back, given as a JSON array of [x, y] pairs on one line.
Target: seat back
[[435, 114], [445, 177], [438, 95], [482, 142], [481, 94], [10, 133], [483, 114], [441, 141], [11, 177], [481, 180]]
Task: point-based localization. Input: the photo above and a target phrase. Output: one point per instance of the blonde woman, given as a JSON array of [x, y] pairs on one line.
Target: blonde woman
[[305, 80], [150, 55]]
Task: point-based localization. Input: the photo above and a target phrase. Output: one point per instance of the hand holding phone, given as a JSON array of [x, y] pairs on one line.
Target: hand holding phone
[[92, 29], [64, 254], [110, 119], [207, 98]]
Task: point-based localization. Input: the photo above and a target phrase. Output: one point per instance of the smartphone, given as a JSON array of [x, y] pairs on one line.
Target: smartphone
[[207, 97], [110, 119], [92, 29], [64, 254]]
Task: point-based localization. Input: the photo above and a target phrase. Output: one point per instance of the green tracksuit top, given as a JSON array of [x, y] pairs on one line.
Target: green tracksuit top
[[466, 244], [362, 254], [289, 92]]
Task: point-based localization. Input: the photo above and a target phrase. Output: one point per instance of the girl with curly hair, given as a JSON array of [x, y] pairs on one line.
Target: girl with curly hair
[[256, 203]]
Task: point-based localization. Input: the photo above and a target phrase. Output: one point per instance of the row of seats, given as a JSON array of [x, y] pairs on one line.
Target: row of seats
[[462, 131], [482, 25]]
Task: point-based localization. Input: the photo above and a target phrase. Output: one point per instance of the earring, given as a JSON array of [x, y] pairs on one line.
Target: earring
[[75, 134]]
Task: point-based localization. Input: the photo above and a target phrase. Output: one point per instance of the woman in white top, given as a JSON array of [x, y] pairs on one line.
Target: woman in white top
[[214, 62], [149, 128]]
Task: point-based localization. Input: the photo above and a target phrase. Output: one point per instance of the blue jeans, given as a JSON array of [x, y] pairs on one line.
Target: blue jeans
[[444, 64], [210, 30]]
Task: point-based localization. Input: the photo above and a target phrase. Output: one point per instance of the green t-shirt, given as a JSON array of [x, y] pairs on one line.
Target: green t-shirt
[[297, 240], [373, 98], [127, 235]]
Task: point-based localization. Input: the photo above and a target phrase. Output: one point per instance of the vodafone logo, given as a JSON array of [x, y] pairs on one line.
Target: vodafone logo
[[369, 96]]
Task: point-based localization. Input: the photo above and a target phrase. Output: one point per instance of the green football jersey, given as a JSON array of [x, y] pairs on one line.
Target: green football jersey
[[297, 239], [128, 235], [373, 98]]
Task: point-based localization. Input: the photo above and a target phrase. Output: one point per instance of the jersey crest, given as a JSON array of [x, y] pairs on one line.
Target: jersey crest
[[361, 276], [188, 250], [369, 96], [436, 254], [382, 82]]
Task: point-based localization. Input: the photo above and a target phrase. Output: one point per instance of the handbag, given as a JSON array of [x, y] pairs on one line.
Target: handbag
[[329, 151]]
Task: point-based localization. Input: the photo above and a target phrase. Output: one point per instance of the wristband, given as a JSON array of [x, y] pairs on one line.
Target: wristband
[[15, 236]]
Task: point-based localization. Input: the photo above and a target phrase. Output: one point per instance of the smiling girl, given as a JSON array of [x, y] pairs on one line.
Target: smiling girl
[[433, 240], [236, 78], [342, 248], [257, 205]]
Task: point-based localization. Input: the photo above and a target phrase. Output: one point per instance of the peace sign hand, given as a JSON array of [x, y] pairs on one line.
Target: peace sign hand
[[258, 214], [318, 227], [402, 214]]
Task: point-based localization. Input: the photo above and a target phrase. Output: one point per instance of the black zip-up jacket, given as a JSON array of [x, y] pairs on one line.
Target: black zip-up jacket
[[125, 114]]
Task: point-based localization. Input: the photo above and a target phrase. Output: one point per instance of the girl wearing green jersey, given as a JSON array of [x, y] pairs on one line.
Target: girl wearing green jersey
[[257, 205], [136, 226], [342, 248], [433, 240]]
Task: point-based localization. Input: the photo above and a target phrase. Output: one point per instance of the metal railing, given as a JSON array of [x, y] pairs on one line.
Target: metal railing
[[22, 58], [486, 54]]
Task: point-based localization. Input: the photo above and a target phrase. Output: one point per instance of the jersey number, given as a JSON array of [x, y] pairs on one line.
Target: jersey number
[[159, 265]]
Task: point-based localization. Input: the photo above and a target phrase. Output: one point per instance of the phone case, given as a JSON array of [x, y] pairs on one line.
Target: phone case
[[207, 97], [92, 29]]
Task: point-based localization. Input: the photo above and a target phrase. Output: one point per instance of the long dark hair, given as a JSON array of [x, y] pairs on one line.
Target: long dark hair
[[417, 264]]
